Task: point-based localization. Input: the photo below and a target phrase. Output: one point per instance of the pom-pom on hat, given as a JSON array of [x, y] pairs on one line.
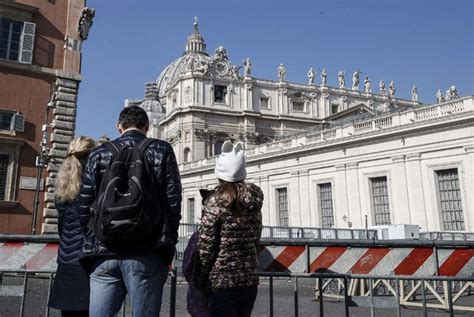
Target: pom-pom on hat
[[230, 164]]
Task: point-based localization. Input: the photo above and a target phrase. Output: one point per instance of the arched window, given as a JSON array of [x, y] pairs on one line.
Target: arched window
[[187, 155]]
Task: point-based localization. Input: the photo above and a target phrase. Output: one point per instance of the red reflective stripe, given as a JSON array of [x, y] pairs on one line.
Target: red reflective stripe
[[8, 249], [413, 261], [285, 259], [369, 260], [43, 257], [455, 262], [327, 258]]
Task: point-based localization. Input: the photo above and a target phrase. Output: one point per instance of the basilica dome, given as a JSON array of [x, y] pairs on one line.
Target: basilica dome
[[194, 56], [177, 67]]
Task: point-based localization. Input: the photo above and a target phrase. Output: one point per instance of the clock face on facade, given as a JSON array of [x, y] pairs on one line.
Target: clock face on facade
[[221, 68]]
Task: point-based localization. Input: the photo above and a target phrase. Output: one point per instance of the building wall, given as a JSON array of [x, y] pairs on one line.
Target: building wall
[[27, 88], [408, 151]]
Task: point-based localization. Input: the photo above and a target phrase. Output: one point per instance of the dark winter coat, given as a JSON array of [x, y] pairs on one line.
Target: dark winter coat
[[71, 233], [161, 157]]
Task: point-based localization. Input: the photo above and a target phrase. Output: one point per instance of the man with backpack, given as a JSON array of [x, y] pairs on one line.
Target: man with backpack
[[131, 204]]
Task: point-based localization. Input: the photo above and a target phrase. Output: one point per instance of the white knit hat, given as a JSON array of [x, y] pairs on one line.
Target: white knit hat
[[230, 165]]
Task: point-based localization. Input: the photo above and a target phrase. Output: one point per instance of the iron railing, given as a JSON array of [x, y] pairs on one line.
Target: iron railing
[[447, 236]]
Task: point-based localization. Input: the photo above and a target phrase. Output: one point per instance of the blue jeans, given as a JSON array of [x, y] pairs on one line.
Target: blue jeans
[[143, 277]]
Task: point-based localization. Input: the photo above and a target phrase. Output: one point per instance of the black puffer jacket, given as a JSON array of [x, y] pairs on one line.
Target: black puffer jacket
[[161, 157], [71, 234]]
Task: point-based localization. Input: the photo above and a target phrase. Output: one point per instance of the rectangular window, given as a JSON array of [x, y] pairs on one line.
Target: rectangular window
[[325, 200], [282, 206], [298, 105], [334, 109], [380, 202], [4, 159], [219, 93], [6, 120], [10, 38], [191, 210], [17, 40], [450, 199], [265, 102], [12, 121]]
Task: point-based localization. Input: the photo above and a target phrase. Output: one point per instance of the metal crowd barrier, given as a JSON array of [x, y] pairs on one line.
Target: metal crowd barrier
[[447, 236], [21, 290], [392, 292], [351, 269]]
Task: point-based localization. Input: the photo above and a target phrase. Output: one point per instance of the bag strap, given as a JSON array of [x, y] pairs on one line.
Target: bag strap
[[112, 147], [143, 144]]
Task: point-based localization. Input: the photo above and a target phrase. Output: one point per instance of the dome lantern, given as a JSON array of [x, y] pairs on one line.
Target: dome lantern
[[195, 41]]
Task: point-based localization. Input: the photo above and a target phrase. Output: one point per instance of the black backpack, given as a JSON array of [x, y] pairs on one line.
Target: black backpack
[[127, 208]]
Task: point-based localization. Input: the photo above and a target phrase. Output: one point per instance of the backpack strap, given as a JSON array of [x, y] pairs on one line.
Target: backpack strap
[[112, 147], [143, 144]]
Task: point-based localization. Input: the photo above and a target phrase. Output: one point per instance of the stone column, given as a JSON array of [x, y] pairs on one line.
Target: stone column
[[353, 196], [415, 191], [340, 196], [248, 96], [305, 203], [265, 186], [400, 202], [63, 125], [294, 199], [469, 188]]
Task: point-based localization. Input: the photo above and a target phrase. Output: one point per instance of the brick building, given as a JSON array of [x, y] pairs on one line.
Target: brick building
[[40, 65]]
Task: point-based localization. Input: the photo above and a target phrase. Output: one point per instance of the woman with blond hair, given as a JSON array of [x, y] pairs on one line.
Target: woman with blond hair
[[70, 292]]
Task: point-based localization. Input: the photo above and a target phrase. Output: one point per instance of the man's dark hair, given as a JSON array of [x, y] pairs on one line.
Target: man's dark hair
[[133, 117]]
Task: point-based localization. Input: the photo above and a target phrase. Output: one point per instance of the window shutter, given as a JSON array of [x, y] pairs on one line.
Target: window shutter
[[27, 43], [18, 122]]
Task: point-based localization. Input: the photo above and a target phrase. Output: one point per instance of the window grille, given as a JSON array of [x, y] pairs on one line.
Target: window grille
[[325, 199], [191, 210], [380, 200], [4, 159], [450, 199], [282, 203]]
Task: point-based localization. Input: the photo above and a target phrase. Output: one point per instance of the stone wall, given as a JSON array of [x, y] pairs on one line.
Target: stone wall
[[63, 126]]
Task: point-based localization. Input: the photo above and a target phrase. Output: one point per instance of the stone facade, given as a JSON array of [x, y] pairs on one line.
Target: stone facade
[[409, 148], [41, 86], [204, 99], [324, 156]]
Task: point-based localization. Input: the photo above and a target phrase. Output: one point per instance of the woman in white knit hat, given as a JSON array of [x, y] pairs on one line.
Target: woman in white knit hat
[[229, 235]]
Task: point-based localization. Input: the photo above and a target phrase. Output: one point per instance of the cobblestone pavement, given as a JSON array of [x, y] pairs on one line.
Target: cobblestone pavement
[[283, 302]]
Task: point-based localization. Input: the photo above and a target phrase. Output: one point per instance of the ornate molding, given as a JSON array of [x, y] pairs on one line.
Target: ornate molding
[[413, 157], [85, 22], [398, 159], [174, 137]]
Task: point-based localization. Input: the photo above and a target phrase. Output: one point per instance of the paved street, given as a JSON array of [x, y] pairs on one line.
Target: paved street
[[283, 301]]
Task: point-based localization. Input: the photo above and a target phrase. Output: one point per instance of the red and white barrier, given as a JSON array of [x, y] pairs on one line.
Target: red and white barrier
[[417, 261], [29, 256]]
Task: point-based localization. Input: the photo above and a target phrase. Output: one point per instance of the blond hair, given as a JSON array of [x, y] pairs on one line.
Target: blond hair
[[69, 180]]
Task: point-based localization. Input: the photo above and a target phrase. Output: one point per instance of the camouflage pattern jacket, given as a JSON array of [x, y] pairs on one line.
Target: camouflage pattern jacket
[[228, 243]]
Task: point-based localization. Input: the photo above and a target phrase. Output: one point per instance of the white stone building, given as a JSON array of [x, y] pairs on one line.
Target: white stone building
[[324, 156]]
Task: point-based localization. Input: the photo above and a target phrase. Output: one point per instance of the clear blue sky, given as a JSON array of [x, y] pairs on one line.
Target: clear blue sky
[[428, 43]]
